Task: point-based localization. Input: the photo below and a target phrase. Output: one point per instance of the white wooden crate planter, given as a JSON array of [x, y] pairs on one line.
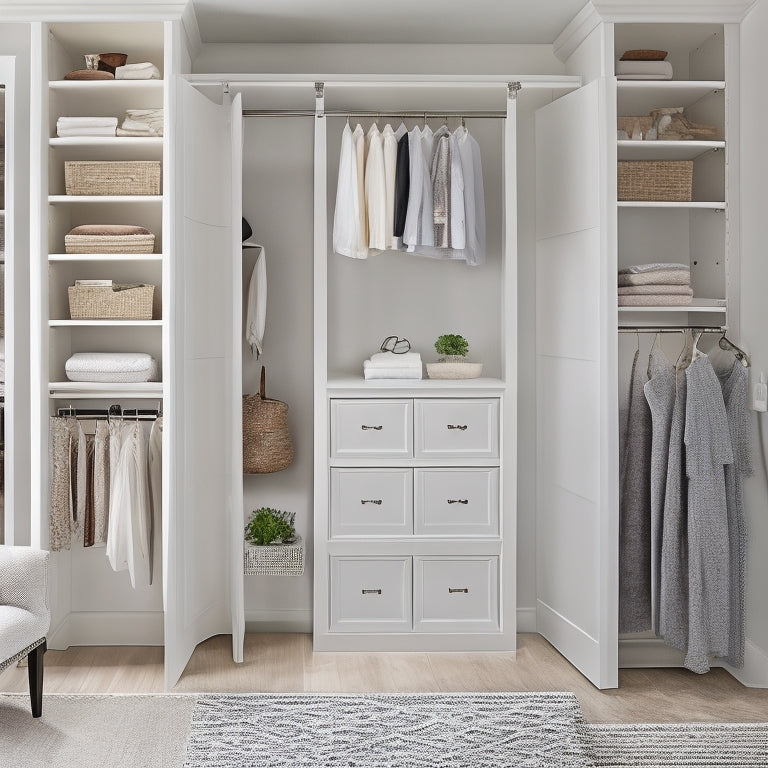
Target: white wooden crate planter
[[274, 559]]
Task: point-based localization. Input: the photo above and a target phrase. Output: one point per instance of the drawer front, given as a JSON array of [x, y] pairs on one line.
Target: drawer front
[[458, 594], [376, 429], [371, 594], [375, 502], [457, 502], [457, 429]]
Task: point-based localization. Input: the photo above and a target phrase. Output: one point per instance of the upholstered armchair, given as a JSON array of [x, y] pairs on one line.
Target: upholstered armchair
[[24, 614]]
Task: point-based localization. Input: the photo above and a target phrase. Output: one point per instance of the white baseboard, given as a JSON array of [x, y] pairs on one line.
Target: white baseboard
[[526, 619], [102, 628], [646, 652], [754, 673], [295, 620]]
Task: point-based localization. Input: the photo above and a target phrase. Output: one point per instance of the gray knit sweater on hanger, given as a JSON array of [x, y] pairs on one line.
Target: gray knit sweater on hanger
[[707, 451]]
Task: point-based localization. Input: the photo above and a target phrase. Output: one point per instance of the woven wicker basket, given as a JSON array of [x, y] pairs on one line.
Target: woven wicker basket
[[100, 302], [109, 243], [90, 177], [656, 180], [274, 559], [267, 444]]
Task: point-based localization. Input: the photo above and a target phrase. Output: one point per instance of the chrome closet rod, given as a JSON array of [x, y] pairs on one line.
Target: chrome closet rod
[[406, 113], [673, 329]]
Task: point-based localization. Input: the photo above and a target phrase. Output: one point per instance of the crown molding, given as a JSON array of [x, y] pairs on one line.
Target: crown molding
[[103, 10], [577, 31], [701, 12]]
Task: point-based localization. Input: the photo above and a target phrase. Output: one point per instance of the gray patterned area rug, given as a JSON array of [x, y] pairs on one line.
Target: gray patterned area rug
[[528, 730], [703, 745]]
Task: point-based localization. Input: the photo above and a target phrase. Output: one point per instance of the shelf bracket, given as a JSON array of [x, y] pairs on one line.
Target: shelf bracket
[[319, 99], [513, 89]]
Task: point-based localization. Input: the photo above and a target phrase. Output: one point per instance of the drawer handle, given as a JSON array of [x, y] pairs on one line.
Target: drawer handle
[[451, 590], [377, 427], [458, 501], [462, 427], [371, 591], [370, 501]]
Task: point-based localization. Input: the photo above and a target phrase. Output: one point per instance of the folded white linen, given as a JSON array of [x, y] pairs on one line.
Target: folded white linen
[[638, 269], [391, 360], [144, 70], [660, 277], [63, 133], [151, 129], [645, 70], [659, 300], [147, 134], [88, 122], [392, 373], [138, 114], [111, 367]]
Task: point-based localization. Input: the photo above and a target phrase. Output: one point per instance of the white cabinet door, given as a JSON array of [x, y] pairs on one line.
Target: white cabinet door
[[456, 429], [577, 408], [199, 409], [372, 429]]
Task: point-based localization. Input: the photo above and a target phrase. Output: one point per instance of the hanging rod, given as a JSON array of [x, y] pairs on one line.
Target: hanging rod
[[673, 329], [403, 113], [114, 411]]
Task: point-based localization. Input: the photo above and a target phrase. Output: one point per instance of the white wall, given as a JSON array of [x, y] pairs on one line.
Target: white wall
[[754, 306], [15, 41], [280, 205]]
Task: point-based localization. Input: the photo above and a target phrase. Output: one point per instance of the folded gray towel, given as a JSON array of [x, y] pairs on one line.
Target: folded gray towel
[[659, 277], [655, 290], [638, 269], [658, 300]]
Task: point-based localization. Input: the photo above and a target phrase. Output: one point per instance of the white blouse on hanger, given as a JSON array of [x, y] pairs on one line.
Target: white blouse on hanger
[[346, 217], [358, 139], [256, 311], [376, 190], [390, 167]]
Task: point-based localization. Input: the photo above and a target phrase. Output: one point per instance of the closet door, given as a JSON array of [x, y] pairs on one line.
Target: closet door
[[577, 409], [203, 479]]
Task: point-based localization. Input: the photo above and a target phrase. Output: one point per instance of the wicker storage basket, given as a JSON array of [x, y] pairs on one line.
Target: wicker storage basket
[[267, 444], [90, 177], [274, 559], [652, 180], [102, 302], [91, 238]]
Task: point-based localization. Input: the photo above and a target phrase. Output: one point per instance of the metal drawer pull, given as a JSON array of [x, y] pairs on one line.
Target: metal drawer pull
[[458, 501], [451, 590], [371, 591], [462, 427], [377, 427], [370, 501]]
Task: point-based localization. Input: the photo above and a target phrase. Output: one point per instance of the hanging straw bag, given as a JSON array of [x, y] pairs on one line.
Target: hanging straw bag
[[267, 445]]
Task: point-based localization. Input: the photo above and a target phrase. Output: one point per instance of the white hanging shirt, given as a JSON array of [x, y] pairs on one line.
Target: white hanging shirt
[[474, 196], [346, 217], [390, 168], [358, 138], [256, 311], [426, 214], [376, 190]]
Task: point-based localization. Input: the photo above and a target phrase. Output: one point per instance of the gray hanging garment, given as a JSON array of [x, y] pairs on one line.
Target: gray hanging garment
[[635, 510], [707, 450]]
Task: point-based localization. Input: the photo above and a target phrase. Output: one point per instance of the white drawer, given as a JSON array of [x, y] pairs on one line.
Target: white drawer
[[371, 502], [456, 594], [377, 429], [371, 594], [457, 429], [457, 502]]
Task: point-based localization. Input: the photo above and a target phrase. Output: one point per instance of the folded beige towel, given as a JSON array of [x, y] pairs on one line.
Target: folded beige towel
[[658, 300], [655, 290], [655, 267], [662, 277]]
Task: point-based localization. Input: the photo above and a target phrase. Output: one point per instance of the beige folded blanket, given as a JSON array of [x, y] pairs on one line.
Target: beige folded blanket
[[658, 300], [662, 277], [655, 290], [108, 229]]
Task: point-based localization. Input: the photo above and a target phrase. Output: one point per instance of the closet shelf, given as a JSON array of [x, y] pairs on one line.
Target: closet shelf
[[105, 323], [94, 390], [105, 85], [666, 150], [105, 257], [66, 199], [639, 97], [715, 206], [348, 382], [113, 142], [698, 305]]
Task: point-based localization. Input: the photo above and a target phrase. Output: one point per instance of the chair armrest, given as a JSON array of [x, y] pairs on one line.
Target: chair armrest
[[24, 579]]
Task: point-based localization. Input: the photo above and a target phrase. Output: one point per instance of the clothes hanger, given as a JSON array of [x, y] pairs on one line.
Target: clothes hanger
[[696, 353], [684, 358], [728, 346]]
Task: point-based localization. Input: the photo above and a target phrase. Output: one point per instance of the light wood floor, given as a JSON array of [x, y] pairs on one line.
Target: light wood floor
[[286, 663]]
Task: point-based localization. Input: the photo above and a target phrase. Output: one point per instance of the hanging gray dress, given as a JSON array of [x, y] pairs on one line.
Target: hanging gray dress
[[635, 510], [707, 451], [660, 394], [734, 382]]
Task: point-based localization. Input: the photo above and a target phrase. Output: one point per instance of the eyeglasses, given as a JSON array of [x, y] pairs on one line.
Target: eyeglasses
[[395, 345]]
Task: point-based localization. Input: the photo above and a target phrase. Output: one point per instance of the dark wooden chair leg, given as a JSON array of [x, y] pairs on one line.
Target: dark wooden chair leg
[[35, 669]]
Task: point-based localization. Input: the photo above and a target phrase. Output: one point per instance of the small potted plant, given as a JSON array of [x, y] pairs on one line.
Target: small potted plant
[[273, 548], [453, 364]]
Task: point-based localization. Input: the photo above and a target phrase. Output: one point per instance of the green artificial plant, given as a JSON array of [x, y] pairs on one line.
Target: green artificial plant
[[452, 344], [270, 526]]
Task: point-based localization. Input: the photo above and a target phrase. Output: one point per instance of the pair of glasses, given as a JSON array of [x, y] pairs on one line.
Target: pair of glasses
[[396, 345]]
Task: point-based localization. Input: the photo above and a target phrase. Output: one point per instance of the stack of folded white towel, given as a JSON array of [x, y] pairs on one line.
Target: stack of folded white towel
[[388, 365], [142, 122], [655, 285], [643, 70], [86, 126], [145, 70]]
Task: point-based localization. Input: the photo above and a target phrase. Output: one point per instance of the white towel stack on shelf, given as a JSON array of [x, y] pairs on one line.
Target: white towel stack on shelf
[[142, 122], [86, 126], [388, 365], [144, 70], [655, 285]]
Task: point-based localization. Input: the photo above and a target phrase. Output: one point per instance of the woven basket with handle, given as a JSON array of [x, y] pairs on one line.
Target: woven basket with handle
[[267, 444]]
